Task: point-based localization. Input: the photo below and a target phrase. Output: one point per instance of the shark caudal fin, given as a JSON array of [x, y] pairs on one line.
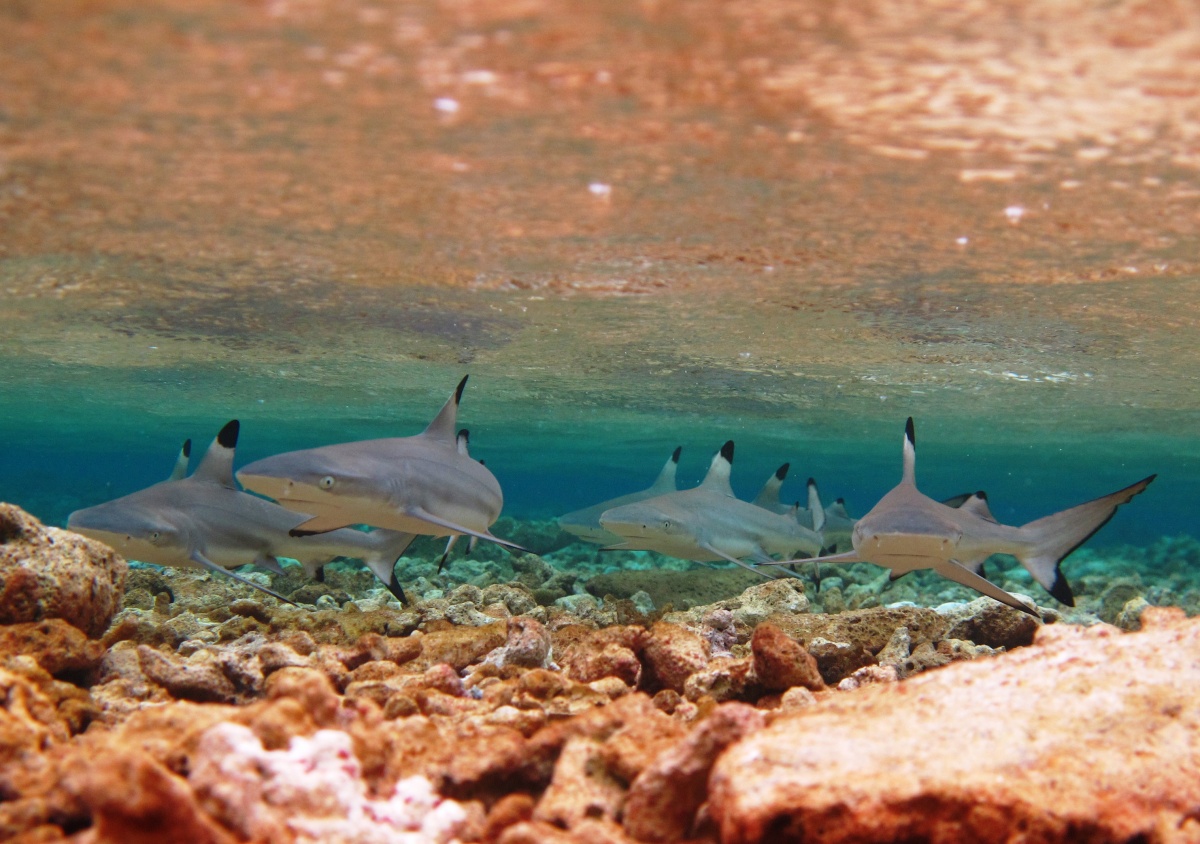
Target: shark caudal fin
[[442, 426], [718, 471], [665, 482], [216, 466], [181, 462], [814, 507], [1053, 537], [768, 496]]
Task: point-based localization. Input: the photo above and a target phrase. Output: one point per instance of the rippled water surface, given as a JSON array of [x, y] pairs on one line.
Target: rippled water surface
[[635, 225]]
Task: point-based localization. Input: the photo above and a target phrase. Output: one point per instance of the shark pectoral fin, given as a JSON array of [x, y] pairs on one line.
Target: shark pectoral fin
[[620, 546], [954, 571], [848, 557], [426, 516], [713, 550], [268, 562], [318, 524], [446, 554], [204, 562]]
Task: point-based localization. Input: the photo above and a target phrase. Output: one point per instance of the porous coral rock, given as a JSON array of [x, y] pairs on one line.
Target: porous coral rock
[[985, 621], [50, 573], [312, 792], [837, 660], [459, 646], [198, 680], [528, 644], [60, 648], [1091, 734], [780, 662], [673, 653], [663, 800], [723, 678], [582, 786]]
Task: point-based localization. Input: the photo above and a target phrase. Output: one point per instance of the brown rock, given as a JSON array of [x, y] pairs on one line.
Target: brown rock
[[50, 573], [663, 800], [135, 800], [988, 622], [674, 653], [198, 681], [1089, 735], [510, 809], [586, 655], [724, 678], [460, 646], [582, 786], [60, 648], [780, 662]]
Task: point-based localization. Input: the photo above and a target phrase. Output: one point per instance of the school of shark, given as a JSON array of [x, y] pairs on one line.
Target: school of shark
[[368, 500]]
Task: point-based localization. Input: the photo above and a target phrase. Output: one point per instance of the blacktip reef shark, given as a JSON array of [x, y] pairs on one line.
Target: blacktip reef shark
[[423, 484], [707, 523], [585, 523], [908, 530], [206, 521]]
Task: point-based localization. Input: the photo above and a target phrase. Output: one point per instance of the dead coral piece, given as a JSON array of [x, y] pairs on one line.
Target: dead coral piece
[[50, 573], [780, 662], [1092, 735], [60, 648], [988, 622], [673, 653], [527, 645], [663, 800], [582, 786], [193, 680]]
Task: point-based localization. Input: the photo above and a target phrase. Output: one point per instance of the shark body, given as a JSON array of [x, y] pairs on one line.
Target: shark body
[[205, 521], [707, 523], [424, 484], [585, 522], [907, 531]]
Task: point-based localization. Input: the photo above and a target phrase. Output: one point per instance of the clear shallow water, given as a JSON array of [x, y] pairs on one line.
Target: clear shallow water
[[261, 212]]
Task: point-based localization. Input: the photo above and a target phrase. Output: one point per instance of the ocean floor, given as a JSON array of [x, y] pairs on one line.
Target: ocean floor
[[573, 696]]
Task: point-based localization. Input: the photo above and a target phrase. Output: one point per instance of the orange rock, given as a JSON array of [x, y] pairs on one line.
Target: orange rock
[[780, 662], [664, 799], [510, 809], [135, 800], [673, 653], [50, 573], [310, 688], [459, 646], [1088, 734], [582, 786], [59, 648]]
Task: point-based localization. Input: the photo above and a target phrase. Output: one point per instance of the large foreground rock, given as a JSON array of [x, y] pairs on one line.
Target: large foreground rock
[[50, 573], [1088, 735]]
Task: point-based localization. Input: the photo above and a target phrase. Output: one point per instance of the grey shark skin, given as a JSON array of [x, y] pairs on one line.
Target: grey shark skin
[[707, 523], [907, 531], [585, 522], [423, 484], [205, 521]]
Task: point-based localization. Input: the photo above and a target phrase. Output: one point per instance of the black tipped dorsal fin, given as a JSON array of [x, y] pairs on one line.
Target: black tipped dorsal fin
[[216, 467], [718, 471], [977, 504], [815, 507], [910, 454], [665, 482], [181, 462], [442, 426]]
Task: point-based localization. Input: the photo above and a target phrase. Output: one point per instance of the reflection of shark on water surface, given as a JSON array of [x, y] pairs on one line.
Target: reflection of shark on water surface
[[907, 531], [205, 521], [424, 484], [585, 523], [707, 523]]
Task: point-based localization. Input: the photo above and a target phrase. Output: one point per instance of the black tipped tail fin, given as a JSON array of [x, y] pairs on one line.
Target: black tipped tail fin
[[1052, 538]]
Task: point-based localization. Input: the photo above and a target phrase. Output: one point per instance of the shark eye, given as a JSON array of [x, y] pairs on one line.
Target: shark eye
[[154, 536], [326, 482], [666, 524]]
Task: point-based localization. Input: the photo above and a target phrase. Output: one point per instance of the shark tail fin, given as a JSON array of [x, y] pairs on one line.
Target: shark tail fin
[[814, 506], [181, 462], [217, 464], [442, 426], [1053, 537]]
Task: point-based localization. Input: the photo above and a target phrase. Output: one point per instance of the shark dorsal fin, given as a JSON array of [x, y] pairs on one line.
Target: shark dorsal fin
[[463, 441], [216, 467], [814, 506], [910, 455], [976, 504], [665, 482], [442, 426], [181, 462], [768, 496], [718, 471], [838, 508]]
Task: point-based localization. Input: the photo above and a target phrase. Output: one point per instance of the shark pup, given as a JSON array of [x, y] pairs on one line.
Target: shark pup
[[585, 523], [707, 523], [907, 531], [424, 484], [205, 521]]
